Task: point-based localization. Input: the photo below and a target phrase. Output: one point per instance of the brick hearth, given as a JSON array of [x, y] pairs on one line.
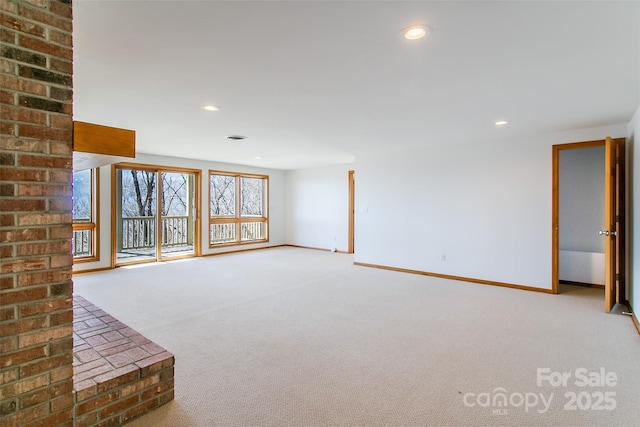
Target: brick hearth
[[118, 374]]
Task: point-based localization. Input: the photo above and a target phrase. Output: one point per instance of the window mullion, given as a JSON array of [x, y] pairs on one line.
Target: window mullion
[[238, 212]]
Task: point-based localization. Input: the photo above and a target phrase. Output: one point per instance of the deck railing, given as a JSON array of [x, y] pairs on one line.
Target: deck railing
[[140, 232], [176, 231], [251, 231], [81, 243], [220, 233]]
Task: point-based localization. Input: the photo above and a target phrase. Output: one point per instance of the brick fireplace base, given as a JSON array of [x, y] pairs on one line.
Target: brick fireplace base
[[118, 374]]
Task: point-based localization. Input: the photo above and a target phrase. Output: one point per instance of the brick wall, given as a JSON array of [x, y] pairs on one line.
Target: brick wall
[[36, 387]]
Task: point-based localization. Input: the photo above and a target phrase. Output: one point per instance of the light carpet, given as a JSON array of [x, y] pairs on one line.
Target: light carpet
[[295, 337]]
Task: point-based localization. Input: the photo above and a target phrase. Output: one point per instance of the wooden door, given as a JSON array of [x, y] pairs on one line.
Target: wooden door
[[610, 230]]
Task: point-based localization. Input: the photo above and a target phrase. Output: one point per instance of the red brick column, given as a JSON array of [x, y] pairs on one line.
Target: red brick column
[[36, 387]]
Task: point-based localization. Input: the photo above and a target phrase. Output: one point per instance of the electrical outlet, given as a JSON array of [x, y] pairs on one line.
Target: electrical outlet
[[443, 257]]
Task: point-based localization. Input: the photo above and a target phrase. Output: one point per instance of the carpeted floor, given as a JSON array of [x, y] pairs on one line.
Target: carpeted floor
[[295, 337]]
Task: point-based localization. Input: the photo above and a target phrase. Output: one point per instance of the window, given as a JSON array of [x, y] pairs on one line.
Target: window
[[237, 208], [85, 230]]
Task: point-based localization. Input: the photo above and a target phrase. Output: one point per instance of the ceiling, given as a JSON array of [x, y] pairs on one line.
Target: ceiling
[[313, 83]]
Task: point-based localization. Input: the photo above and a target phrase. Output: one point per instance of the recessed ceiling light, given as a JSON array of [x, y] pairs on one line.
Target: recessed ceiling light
[[236, 137], [210, 107], [415, 32], [257, 157], [501, 122]]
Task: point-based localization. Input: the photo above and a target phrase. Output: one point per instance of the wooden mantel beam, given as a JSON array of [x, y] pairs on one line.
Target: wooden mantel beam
[[98, 145], [99, 139]]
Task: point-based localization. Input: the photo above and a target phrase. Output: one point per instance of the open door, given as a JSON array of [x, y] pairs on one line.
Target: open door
[[613, 231]]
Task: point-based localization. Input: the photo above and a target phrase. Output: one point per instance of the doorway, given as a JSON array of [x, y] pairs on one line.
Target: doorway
[[588, 199], [154, 213]]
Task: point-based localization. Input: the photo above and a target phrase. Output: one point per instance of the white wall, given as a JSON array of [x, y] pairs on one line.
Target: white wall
[[582, 199], [276, 205], [485, 206], [318, 207], [633, 223]]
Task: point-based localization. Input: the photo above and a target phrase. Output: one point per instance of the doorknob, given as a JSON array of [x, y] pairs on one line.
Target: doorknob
[[607, 233]]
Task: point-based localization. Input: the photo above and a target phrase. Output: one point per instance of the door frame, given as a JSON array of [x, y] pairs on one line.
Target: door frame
[[351, 244], [555, 212], [197, 223]]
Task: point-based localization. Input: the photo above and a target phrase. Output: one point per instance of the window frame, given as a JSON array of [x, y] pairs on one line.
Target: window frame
[[238, 219], [93, 225], [157, 168]]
